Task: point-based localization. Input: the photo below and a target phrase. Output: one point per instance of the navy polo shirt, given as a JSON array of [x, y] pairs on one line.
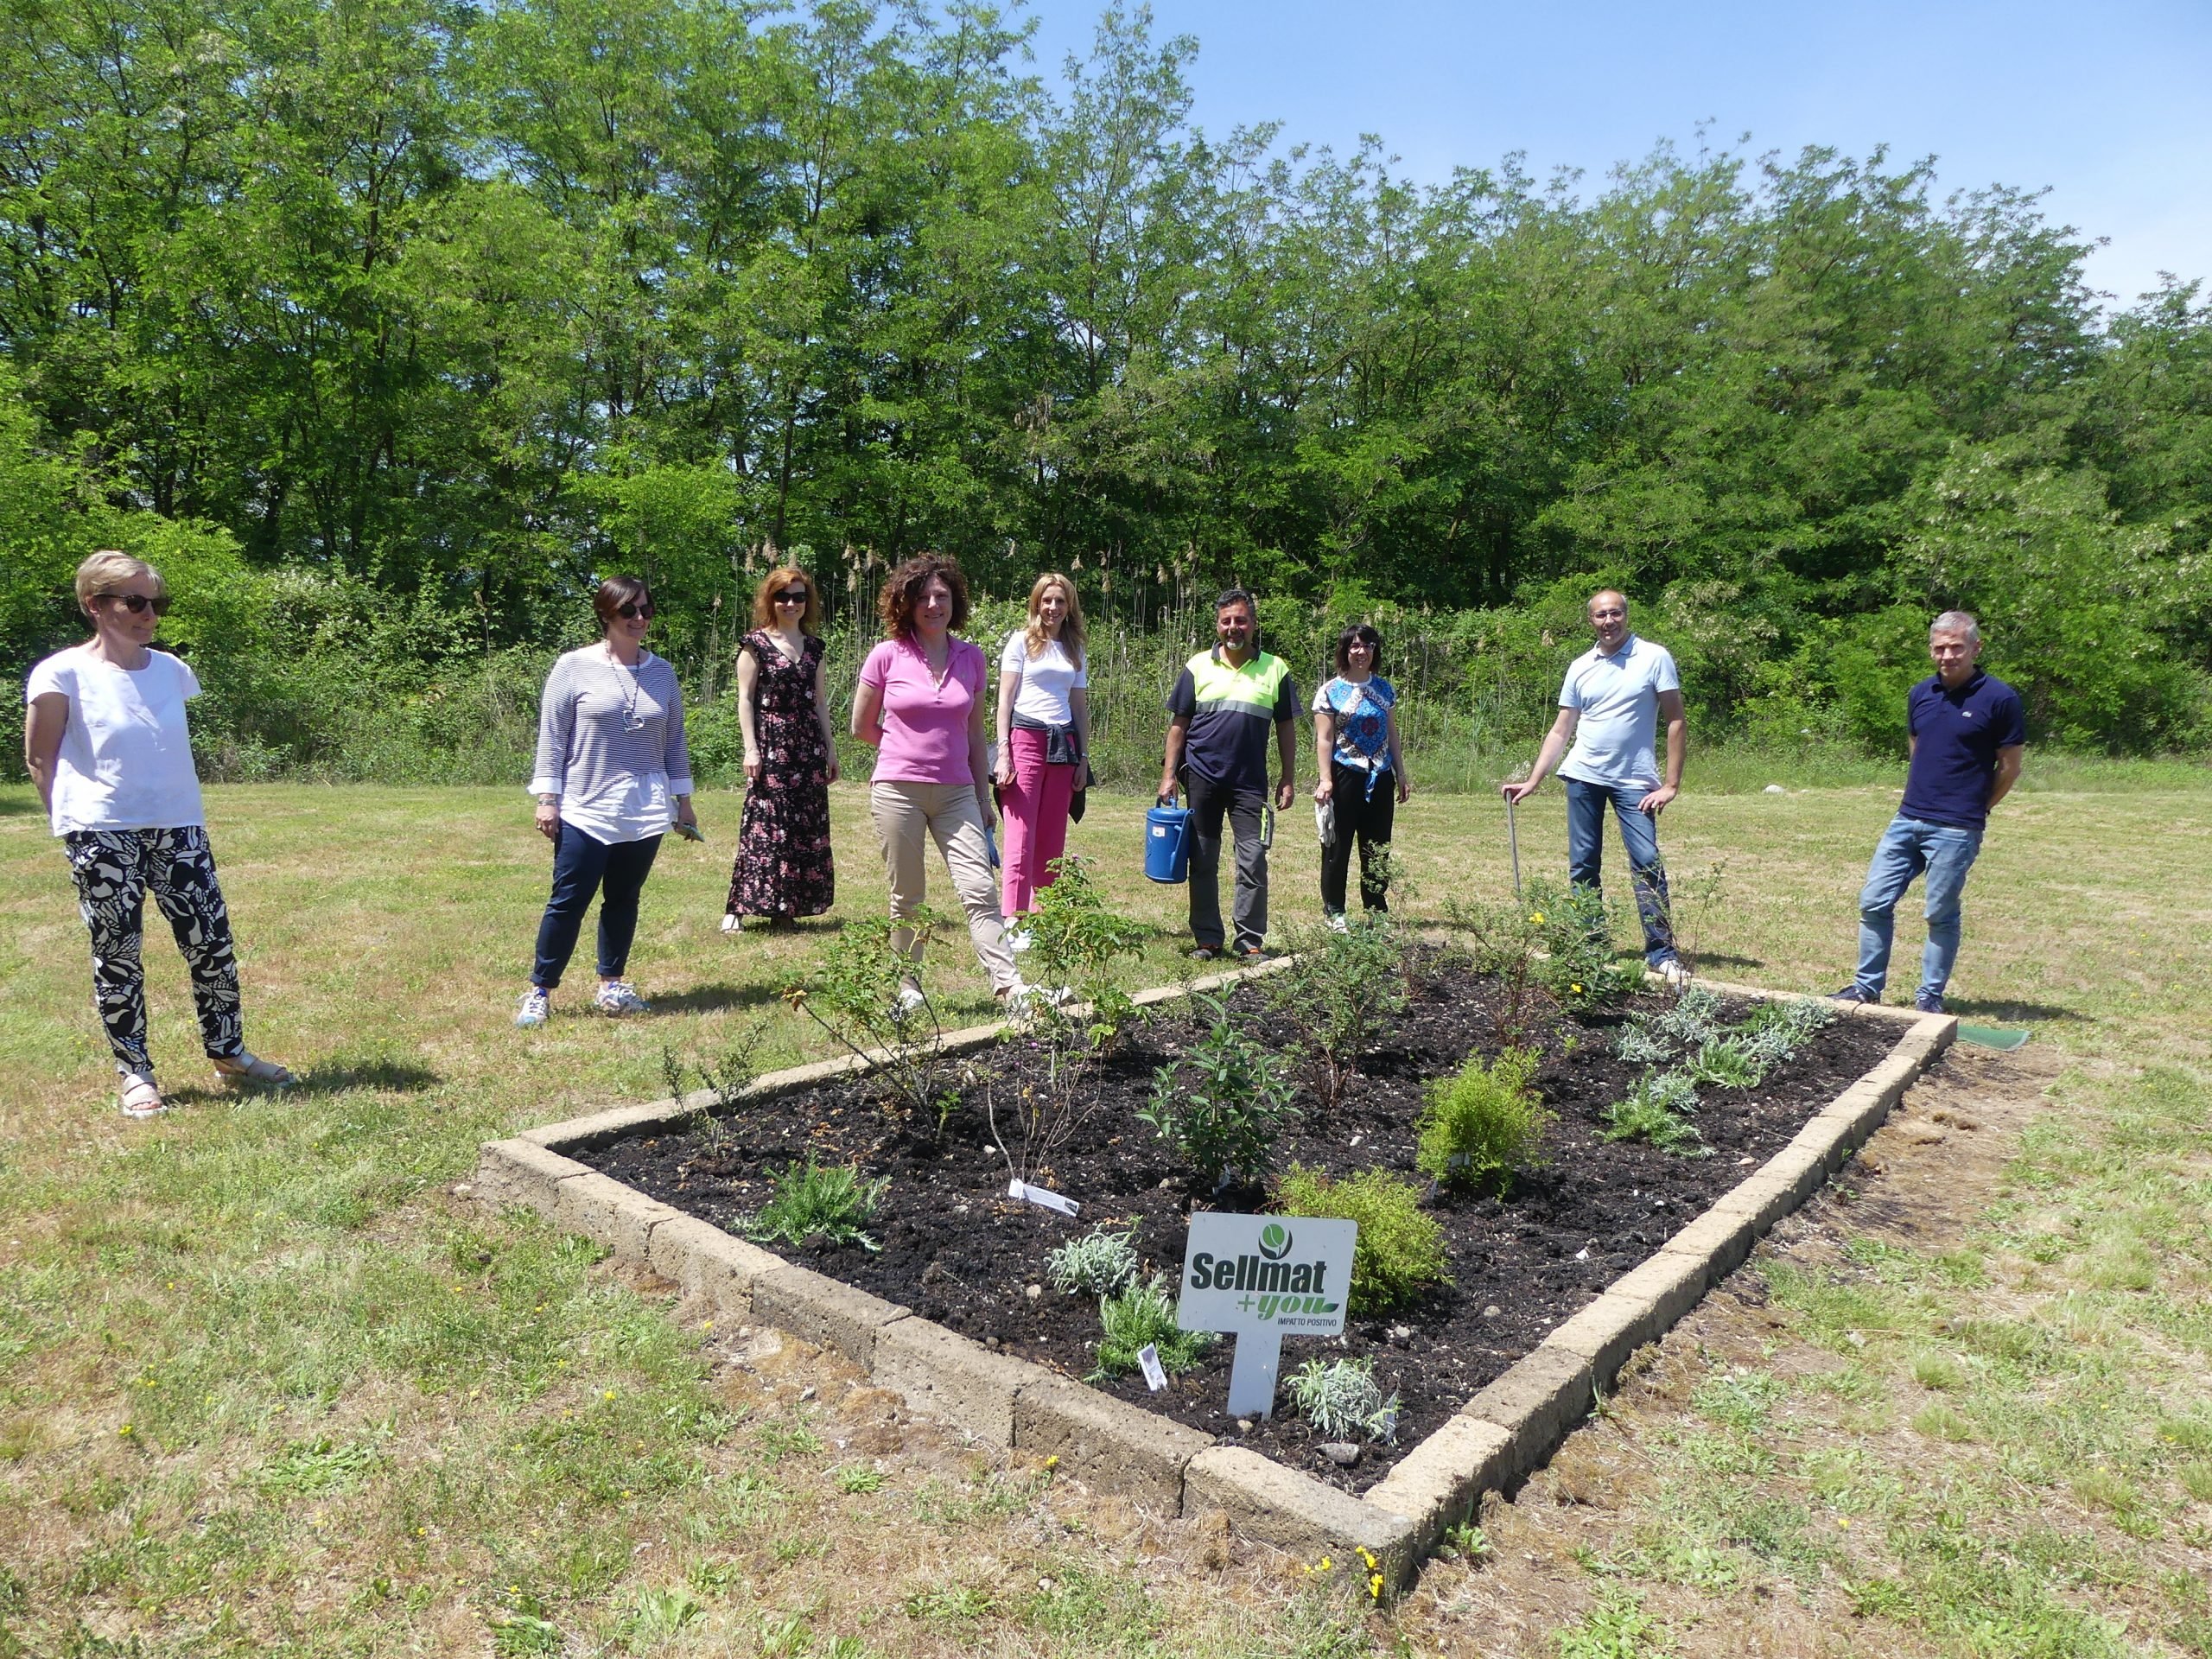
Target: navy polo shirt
[[1956, 735]]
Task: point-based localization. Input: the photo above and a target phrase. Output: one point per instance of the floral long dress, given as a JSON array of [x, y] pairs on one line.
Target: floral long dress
[[782, 842]]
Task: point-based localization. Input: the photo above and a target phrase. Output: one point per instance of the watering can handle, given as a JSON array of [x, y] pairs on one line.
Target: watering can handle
[[1164, 800]]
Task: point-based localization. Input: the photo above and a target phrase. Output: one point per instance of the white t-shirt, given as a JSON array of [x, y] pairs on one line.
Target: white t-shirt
[[126, 757], [1616, 700], [1046, 679]]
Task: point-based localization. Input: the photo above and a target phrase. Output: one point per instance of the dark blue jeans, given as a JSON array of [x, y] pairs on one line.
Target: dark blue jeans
[[1585, 845], [583, 866]]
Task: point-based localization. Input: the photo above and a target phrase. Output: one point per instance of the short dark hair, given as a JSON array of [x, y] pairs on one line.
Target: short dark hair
[[1360, 631], [616, 592], [902, 593], [1237, 596]]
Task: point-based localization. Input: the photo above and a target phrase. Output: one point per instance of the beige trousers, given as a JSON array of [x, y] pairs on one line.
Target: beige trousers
[[907, 815]]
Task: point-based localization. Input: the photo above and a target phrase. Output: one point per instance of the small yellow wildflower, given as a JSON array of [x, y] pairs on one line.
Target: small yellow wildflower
[[609, 1394], [1052, 1462], [126, 1431], [1375, 1587], [1843, 1521], [1537, 917], [1326, 1564], [1577, 989]]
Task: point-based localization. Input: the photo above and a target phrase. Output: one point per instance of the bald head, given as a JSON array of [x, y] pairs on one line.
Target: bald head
[[1609, 618]]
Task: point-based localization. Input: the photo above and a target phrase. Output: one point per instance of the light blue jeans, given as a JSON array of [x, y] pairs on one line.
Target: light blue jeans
[[1911, 847], [1647, 875]]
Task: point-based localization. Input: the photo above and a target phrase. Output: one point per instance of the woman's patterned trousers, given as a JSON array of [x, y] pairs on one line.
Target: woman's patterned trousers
[[114, 870]]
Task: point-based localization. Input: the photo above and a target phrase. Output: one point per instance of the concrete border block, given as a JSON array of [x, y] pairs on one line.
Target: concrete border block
[[1293, 1511], [813, 1304], [1667, 1285], [709, 1264], [1719, 1241], [522, 1174], [1439, 1483], [944, 1375], [601, 1127], [1607, 1332], [1112, 1445], [617, 1215], [1536, 1400]]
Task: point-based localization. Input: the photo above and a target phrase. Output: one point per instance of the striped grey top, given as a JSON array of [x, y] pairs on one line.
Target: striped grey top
[[612, 781]]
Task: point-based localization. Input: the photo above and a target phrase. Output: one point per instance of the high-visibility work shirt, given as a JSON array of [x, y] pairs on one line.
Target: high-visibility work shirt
[[1231, 711]]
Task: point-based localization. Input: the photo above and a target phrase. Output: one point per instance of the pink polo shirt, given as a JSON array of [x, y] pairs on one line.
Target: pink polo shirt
[[925, 724]]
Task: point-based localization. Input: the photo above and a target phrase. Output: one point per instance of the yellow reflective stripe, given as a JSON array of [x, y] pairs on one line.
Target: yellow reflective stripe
[[1255, 686]]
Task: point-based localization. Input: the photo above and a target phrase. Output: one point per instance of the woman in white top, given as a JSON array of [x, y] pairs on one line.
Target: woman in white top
[[106, 744], [611, 767], [1043, 730]]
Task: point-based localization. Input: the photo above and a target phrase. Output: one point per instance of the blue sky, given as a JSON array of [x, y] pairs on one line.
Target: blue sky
[[2109, 105]]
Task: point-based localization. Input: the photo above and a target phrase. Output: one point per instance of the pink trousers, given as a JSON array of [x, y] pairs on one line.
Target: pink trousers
[[1036, 808]]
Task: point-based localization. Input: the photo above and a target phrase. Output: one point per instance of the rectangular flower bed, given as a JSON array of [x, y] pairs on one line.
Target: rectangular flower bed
[[1552, 1272]]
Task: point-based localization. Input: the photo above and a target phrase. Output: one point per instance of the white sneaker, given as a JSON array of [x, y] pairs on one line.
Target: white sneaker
[[1023, 996], [1019, 939], [1338, 925], [618, 997], [733, 923], [1673, 972], [535, 1006], [909, 1000]]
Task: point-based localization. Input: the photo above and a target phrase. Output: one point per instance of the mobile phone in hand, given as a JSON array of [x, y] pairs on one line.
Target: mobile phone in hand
[[689, 831]]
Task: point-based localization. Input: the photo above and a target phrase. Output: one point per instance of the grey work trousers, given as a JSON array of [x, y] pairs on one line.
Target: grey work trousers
[[1247, 811]]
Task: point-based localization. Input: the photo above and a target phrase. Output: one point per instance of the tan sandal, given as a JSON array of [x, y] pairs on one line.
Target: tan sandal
[[141, 1098], [241, 1069]]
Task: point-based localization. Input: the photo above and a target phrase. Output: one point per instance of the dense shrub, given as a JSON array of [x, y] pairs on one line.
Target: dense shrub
[[1483, 1122], [1400, 1249]]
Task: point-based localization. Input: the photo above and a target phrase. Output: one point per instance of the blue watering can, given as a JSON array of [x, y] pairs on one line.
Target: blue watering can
[[1168, 843]]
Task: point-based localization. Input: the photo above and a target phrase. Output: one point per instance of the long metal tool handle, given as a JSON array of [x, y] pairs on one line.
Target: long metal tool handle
[[1513, 840]]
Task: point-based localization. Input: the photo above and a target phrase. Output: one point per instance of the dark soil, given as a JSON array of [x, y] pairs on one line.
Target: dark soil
[[956, 1249]]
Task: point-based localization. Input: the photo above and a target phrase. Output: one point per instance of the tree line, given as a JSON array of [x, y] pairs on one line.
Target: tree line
[[397, 320]]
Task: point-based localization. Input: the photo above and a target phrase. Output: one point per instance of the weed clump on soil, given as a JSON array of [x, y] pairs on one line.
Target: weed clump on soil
[[1400, 1250], [1484, 1123], [1099, 1263], [1343, 1401], [1222, 1105], [1655, 1111], [826, 1201], [1141, 1317]]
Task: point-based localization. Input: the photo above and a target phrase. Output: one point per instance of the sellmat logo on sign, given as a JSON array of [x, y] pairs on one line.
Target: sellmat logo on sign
[[1262, 1278]]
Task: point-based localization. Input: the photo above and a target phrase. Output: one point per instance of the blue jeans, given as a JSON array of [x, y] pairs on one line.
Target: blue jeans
[[1585, 845], [1909, 847], [583, 866]]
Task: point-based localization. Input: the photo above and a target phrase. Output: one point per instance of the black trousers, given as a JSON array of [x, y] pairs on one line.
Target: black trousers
[[1367, 819]]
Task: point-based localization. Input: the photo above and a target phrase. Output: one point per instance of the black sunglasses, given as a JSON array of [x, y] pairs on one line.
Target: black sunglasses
[[136, 603], [793, 597], [631, 613]]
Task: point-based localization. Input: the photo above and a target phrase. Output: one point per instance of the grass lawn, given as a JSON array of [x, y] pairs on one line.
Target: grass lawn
[[266, 1387]]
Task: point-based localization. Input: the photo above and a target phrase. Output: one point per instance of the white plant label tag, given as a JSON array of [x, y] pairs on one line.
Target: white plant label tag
[[1154, 1377], [1042, 1197]]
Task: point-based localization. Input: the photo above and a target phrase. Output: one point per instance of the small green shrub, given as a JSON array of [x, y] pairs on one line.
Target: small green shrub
[[1484, 1123], [1222, 1105], [1343, 1401], [1400, 1249], [1099, 1263], [1654, 1111], [854, 995], [830, 1201], [1074, 941], [1141, 1317]]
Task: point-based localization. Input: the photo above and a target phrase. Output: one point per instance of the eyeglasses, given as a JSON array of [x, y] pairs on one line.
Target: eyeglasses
[[631, 613], [136, 603], [793, 597]]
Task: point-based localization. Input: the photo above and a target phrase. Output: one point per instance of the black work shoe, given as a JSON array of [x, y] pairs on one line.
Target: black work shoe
[[1206, 953], [1852, 994]]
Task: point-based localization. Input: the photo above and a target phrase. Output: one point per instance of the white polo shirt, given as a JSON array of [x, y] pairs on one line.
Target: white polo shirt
[[1616, 702]]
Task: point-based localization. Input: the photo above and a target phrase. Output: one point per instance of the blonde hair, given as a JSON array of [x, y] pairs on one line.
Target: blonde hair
[[1070, 626], [764, 599], [99, 574]]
